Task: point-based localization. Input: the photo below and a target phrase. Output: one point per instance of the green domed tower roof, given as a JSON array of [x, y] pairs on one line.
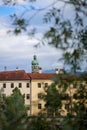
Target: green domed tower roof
[[35, 64]]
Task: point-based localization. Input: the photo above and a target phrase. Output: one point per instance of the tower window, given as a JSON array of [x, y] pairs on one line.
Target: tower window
[[4, 85], [12, 85], [39, 85], [27, 85], [39, 106], [20, 85]]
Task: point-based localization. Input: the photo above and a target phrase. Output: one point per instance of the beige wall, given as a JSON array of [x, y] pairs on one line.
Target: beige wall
[[34, 95], [24, 90], [33, 90]]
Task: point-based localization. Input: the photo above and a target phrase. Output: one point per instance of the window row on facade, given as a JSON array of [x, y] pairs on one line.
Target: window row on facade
[[45, 85], [74, 85], [27, 96], [27, 85], [67, 106], [19, 85]]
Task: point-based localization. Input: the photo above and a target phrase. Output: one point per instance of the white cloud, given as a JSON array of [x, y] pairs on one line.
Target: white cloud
[[19, 50]]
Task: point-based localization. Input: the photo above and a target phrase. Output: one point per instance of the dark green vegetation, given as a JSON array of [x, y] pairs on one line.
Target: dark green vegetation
[[12, 111], [75, 102]]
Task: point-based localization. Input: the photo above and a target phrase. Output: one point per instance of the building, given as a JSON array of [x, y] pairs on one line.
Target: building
[[31, 84]]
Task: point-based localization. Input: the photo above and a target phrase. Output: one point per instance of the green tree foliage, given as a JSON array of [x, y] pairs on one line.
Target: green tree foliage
[[13, 111], [80, 106], [68, 34], [38, 122], [53, 101], [16, 106], [56, 96], [3, 119]]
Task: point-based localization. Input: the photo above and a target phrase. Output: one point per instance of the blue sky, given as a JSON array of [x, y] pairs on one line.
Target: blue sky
[[18, 51], [6, 10]]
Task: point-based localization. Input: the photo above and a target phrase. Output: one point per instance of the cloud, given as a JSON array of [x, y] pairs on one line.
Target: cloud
[[19, 50]]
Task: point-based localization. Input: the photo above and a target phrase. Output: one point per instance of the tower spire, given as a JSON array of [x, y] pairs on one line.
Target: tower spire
[[35, 64]]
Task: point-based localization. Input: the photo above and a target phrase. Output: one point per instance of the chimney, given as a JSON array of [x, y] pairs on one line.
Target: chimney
[[61, 71], [40, 70], [17, 68]]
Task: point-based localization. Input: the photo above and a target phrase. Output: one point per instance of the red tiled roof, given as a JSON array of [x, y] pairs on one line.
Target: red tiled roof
[[52, 75], [69, 77], [22, 75], [41, 75], [14, 75]]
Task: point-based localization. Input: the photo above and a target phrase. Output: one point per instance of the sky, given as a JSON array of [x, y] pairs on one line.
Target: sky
[[18, 51]]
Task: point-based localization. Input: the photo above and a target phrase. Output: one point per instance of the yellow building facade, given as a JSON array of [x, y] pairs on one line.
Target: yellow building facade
[[32, 85]]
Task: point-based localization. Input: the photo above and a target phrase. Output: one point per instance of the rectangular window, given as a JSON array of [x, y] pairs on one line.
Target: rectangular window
[[27, 85], [39, 106], [46, 84], [65, 96], [39, 85], [4, 85], [59, 85], [81, 85], [40, 95], [67, 107], [20, 85], [28, 96], [12, 85], [75, 85]]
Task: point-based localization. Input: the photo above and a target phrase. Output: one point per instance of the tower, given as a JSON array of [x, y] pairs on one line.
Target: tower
[[35, 64]]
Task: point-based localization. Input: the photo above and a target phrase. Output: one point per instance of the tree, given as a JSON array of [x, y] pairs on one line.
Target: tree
[[80, 106], [68, 34], [14, 112], [76, 109], [38, 122], [16, 105], [52, 100], [3, 119]]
